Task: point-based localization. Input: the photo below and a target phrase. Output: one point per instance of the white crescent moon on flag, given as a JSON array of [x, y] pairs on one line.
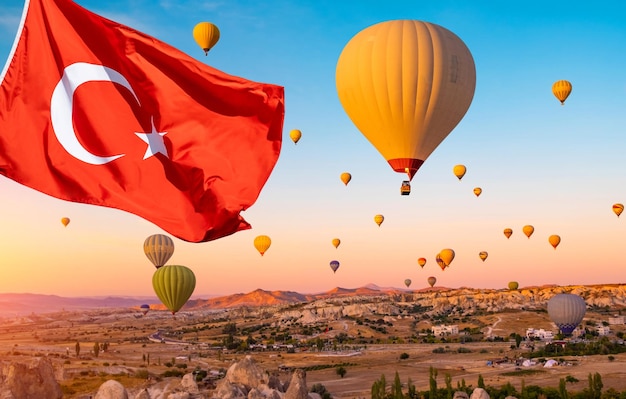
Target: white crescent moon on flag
[[61, 106]]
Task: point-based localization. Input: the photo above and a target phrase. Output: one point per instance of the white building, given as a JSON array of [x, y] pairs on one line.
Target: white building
[[603, 330], [616, 320], [443, 330], [544, 335]]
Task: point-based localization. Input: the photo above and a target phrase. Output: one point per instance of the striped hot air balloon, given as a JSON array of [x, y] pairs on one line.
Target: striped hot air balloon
[[567, 311], [159, 248]]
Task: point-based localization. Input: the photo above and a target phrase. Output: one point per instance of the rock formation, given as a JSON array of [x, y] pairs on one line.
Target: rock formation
[[34, 380]]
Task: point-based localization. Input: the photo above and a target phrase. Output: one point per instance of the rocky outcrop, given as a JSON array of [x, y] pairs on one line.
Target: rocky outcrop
[[34, 380], [111, 389], [479, 393]]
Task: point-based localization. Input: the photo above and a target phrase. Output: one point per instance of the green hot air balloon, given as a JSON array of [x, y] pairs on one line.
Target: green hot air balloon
[[159, 248], [513, 285], [173, 284]]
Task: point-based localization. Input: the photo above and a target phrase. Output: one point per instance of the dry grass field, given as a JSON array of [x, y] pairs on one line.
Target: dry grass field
[[131, 356]]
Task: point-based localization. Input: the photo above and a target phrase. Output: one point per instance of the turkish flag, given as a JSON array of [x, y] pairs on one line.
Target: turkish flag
[[96, 112]]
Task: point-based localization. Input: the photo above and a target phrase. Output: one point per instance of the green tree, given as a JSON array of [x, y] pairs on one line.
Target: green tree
[[518, 340], [411, 390], [77, 348], [432, 383], [379, 387], [321, 391], [481, 382], [96, 349], [396, 388], [448, 379], [563, 389], [595, 385], [341, 371]]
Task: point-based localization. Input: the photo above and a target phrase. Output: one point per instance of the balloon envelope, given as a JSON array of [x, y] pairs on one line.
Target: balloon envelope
[[334, 264], [379, 219], [206, 35], [459, 171], [618, 209], [421, 262], [144, 308], [65, 221], [336, 242], [431, 280], [508, 232], [528, 230], [159, 248], [440, 262], [407, 282], [405, 84], [478, 191], [566, 311], [561, 90], [447, 256], [174, 285], [345, 178], [513, 285], [554, 240], [295, 135], [483, 255], [262, 243]]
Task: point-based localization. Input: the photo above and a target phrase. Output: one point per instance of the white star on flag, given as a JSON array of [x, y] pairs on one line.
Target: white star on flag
[[155, 142]]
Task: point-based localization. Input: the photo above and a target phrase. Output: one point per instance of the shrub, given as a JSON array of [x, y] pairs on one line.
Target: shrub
[[404, 355]]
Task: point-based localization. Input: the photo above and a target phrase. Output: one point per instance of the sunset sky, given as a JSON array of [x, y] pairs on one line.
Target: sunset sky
[[558, 168]]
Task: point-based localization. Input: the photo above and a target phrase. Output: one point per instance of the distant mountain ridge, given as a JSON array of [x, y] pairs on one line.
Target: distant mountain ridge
[[595, 295]]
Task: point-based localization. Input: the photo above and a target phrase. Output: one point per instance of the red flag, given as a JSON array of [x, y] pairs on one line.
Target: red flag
[[96, 112]]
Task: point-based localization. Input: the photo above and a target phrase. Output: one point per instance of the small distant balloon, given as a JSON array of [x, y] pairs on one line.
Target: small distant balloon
[[144, 308], [561, 90], [431, 281], [528, 230], [459, 171], [618, 209], [508, 232], [554, 240], [483, 255], [336, 242], [345, 178], [206, 35], [262, 243], [65, 221], [407, 282], [295, 135], [421, 262], [379, 219], [513, 285], [478, 191], [334, 264]]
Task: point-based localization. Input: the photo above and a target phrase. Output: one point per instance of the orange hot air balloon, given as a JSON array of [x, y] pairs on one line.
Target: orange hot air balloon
[[405, 84], [295, 135], [206, 35], [440, 262], [508, 232], [336, 242], [379, 219], [459, 171], [528, 230], [431, 281], [262, 243], [618, 209], [65, 221], [421, 262], [447, 256], [345, 178], [478, 191], [483, 255], [561, 90], [554, 240]]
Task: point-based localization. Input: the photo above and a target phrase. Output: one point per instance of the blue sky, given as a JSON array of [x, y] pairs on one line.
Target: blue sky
[[559, 168]]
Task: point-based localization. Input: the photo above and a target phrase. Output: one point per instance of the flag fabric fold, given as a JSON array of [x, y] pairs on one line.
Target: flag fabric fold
[[95, 112]]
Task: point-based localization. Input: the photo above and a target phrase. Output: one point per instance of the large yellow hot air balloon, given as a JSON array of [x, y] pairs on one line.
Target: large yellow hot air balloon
[[379, 219], [345, 178], [447, 256], [405, 84], [554, 240], [618, 209], [173, 284], [483, 255], [421, 262], [206, 35], [262, 243], [528, 230], [508, 232], [159, 248], [295, 135], [561, 90], [336, 242], [66, 221], [431, 280], [478, 191], [459, 171]]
